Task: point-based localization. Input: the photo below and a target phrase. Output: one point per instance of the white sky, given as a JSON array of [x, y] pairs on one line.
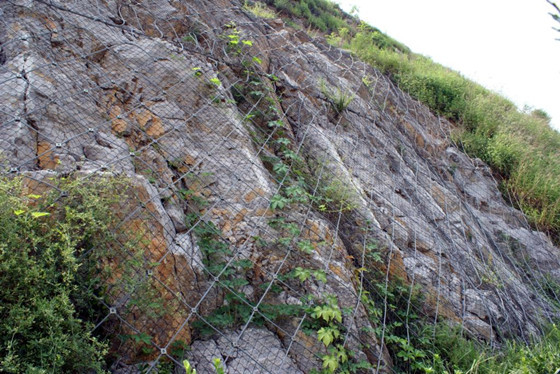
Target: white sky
[[507, 46]]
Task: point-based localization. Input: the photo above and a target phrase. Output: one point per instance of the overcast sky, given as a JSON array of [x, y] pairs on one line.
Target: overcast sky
[[507, 46]]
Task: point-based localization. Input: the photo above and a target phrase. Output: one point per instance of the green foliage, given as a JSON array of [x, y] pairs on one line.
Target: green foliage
[[417, 345], [45, 285], [278, 202], [337, 97], [231, 276], [521, 147], [218, 366], [215, 81], [188, 368], [304, 274], [259, 9], [318, 14], [327, 312]]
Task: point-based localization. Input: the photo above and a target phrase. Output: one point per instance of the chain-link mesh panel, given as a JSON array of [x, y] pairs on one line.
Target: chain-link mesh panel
[[273, 202]]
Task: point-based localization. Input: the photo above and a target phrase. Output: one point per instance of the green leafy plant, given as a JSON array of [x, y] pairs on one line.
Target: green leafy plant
[[337, 97], [218, 366], [188, 368], [278, 202], [46, 288], [215, 81]]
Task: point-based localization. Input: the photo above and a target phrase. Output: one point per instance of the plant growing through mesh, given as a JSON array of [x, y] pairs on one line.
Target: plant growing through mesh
[[337, 97]]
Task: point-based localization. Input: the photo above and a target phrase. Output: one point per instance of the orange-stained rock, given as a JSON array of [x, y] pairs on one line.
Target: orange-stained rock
[[47, 159], [397, 270]]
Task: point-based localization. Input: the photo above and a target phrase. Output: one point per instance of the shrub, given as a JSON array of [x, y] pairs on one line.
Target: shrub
[[45, 289]]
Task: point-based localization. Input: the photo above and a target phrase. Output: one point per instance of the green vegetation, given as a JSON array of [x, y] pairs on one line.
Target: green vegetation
[[259, 9], [319, 14], [522, 149], [456, 354], [337, 97], [416, 345], [218, 368], [47, 295]]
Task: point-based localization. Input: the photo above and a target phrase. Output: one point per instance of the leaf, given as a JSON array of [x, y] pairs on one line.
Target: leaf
[[278, 202], [327, 335], [248, 42], [320, 275], [19, 212], [39, 214], [330, 363], [216, 82], [341, 353], [283, 141], [197, 71], [305, 246], [257, 60], [272, 124], [33, 196], [280, 168], [302, 274], [218, 366], [188, 367]]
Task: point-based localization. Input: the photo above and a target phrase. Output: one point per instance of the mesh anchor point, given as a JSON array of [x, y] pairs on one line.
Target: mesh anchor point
[[112, 310], [14, 170], [163, 351], [149, 272], [58, 145], [91, 129]]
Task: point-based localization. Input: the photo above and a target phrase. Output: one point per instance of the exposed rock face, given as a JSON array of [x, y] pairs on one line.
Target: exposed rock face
[[96, 86]]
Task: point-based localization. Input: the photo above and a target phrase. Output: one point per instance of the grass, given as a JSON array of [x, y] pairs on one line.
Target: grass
[[521, 148], [319, 14], [456, 354], [259, 9], [337, 97]]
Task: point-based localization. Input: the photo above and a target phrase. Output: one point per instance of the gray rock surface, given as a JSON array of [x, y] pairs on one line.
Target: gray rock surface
[[96, 87]]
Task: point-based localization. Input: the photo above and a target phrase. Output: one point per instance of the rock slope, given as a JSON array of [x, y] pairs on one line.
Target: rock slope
[[213, 114]]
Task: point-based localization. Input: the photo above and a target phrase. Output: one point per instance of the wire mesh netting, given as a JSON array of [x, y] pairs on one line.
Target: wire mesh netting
[[246, 192]]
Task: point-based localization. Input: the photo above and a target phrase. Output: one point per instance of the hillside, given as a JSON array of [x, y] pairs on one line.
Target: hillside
[[249, 182]]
